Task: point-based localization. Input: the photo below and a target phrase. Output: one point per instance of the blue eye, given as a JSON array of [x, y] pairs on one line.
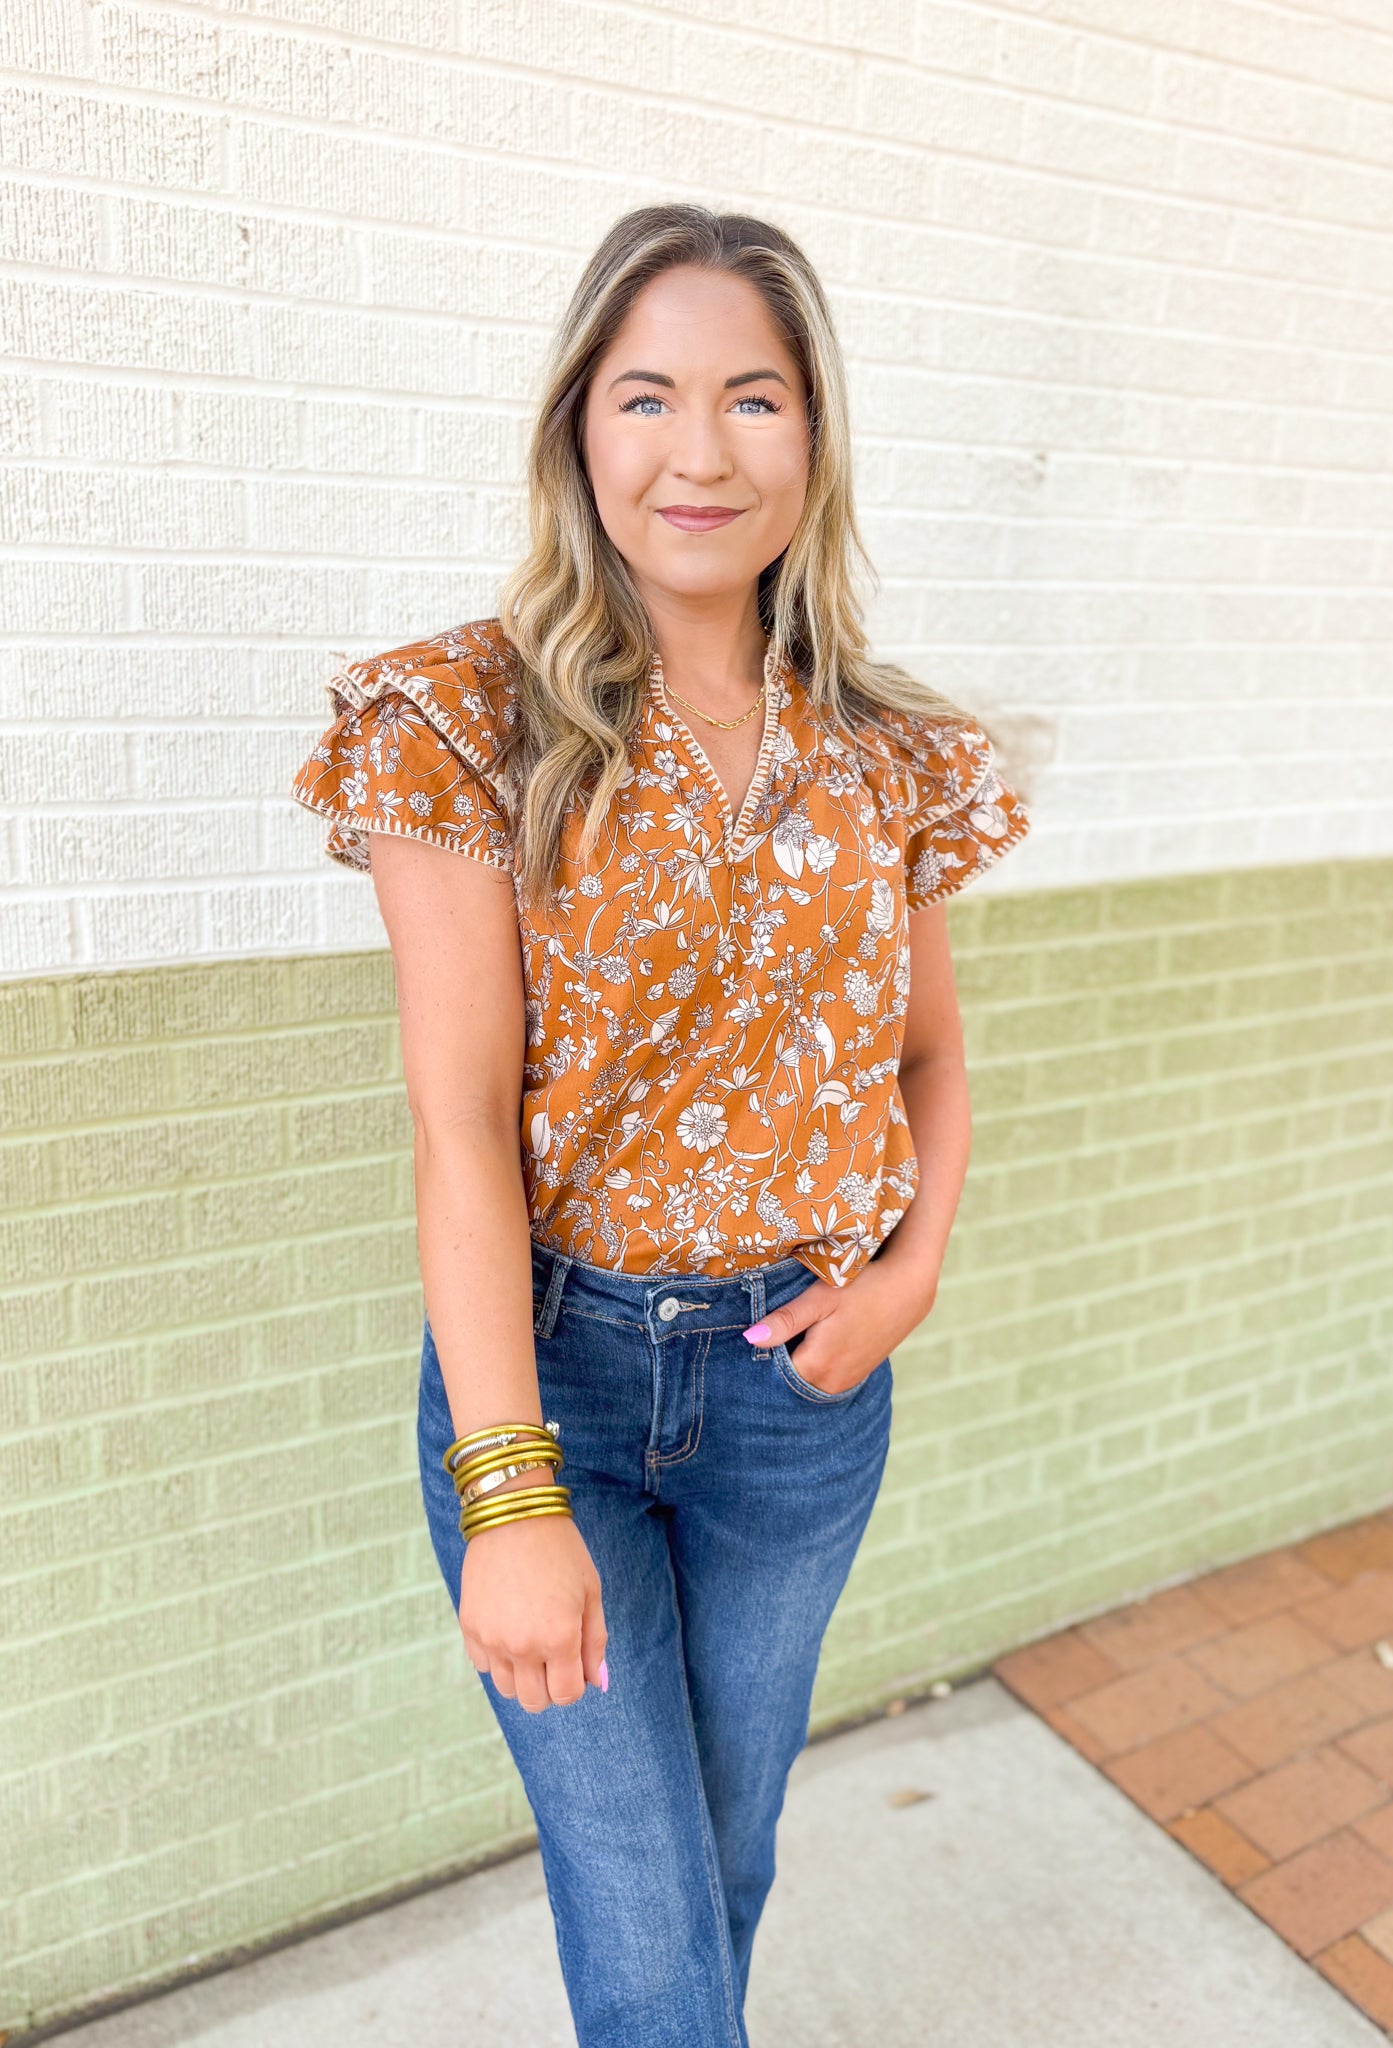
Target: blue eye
[[651, 398]]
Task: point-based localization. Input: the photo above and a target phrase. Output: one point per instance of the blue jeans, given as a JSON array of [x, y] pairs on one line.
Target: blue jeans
[[722, 1499]]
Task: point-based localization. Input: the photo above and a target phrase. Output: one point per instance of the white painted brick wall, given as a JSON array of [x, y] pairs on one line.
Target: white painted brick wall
[[1116, 285]]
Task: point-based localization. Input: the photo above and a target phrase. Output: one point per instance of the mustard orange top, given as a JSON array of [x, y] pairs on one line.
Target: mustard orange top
[[715, 1012]]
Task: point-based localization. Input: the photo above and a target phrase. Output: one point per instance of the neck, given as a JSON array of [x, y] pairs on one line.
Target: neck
[[715, 659]]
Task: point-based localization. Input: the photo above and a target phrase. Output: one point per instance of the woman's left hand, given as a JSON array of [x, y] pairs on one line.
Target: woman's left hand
[[847, 1331]]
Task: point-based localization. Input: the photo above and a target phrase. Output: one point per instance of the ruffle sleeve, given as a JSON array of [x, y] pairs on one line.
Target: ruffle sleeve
[[410, 752], [958, 814]]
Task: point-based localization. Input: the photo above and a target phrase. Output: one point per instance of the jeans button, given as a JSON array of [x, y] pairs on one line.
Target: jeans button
[[668, 1308]]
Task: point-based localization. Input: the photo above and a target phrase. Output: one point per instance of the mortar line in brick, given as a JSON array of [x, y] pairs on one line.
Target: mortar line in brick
[[984, 86], [1039, 175], [136, 375], [250, 300], [246, 384], [1106, 34]]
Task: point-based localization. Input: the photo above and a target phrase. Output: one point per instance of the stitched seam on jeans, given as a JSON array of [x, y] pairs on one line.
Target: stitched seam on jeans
[[637, 1322], [764, 1352], [689, 1448], [815, 1397], [620, 1322], [719, 1909]]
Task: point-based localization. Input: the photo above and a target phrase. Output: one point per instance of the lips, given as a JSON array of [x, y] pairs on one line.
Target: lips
[[697, 518]]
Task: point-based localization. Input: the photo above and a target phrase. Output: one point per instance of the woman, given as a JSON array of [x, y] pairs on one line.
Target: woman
[[677, 1033]]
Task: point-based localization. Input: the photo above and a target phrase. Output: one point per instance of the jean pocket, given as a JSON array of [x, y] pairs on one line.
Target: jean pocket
[[805, 1388]]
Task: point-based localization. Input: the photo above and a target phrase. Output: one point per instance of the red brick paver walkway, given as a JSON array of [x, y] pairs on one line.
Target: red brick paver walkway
[[1250, 1712]]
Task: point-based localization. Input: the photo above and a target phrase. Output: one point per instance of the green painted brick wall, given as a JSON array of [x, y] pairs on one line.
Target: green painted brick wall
[[234, 1697]]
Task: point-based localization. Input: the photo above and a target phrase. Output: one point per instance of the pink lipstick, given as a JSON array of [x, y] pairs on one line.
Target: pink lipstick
[[699, 518]]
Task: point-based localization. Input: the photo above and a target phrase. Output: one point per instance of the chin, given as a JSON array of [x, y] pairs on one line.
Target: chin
[[698, 583], [693, 576]]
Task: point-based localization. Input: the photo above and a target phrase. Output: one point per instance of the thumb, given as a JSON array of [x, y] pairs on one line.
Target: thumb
[[593, 1637], [782, 1323]]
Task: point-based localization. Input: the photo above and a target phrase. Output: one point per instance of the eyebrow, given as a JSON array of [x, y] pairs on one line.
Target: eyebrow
[[657, 377]]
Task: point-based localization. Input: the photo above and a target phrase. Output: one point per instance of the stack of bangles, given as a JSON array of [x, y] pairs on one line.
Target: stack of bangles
[[481, 1463]]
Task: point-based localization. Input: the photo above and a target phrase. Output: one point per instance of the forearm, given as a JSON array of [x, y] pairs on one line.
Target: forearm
[[530, 1606], [935, 1095], [476, 1270]]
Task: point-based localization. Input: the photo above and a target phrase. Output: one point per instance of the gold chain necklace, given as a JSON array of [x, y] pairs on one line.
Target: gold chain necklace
[[725, 724]]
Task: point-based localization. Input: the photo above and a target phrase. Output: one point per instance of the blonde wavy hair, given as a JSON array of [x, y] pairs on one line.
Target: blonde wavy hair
[[570, 608]]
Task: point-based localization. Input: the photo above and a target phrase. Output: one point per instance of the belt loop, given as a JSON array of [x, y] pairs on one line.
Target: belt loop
[[551, 1301], [755, 1283]]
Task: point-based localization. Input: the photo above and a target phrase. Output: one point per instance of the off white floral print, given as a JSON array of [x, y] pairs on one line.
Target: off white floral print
[[714, 1020]]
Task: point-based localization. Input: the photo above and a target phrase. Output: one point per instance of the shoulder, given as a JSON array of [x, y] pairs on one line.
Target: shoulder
[[413, 748], [459, 686], [930, 764]]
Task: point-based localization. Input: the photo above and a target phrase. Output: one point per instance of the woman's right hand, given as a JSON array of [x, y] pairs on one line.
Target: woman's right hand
[[529, 1597], [530, 1611]]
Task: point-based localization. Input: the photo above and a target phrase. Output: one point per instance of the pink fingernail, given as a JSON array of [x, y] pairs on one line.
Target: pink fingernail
[[758, 1333], [604, 1675]]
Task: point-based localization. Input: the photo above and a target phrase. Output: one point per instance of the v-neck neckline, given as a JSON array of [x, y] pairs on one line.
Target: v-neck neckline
[[734, 829]]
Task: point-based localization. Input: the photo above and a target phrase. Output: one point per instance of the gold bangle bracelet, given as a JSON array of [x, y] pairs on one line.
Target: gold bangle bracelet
[[524, 1493], [498, 1430], [491, 1481], [516, 1504], [510, 1505], [471, 1523], [500, 1433], [515, 1443], [472, 1530], [470, 1469]]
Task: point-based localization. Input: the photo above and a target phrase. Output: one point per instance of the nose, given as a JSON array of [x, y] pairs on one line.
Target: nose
[[701, 451]]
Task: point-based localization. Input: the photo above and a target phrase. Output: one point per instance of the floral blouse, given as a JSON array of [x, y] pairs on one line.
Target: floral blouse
[[715, 1011]]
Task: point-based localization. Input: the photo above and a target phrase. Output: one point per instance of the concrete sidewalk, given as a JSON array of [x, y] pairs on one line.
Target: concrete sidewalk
[[1025, 1902]]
